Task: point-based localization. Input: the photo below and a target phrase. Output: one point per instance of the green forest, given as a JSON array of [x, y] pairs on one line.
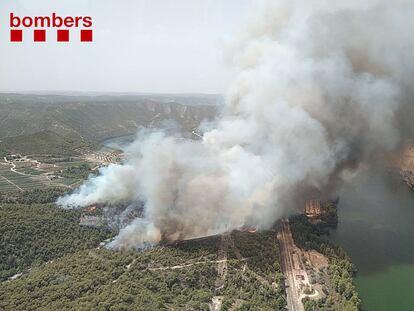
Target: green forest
[[182, 276], [36, 233], [64, 265], [34, 196], [78, 172], [50, 262], [46, 142]]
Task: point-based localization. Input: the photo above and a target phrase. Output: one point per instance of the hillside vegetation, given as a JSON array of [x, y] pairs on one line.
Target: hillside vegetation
[[180, 277], [46, 142], [95, 118], [33, 234]]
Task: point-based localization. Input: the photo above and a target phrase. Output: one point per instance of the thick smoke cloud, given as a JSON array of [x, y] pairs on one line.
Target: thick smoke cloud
[[322, 87]]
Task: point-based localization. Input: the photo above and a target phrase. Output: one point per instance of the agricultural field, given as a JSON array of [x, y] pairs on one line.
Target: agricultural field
[[6, 186], [29, 171], [19, 176], [15, 181]]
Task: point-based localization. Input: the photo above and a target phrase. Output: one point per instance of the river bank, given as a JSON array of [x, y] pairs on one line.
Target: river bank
[[376, 217]]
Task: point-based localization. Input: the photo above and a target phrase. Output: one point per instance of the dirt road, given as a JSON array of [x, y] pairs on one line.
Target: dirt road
[[288, 267]]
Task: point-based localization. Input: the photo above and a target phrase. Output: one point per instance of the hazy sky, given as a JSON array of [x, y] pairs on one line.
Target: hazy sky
[[139, 46]]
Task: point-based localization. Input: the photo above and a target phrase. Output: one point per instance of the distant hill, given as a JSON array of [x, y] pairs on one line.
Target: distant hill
[[45, 142], [96, 118]]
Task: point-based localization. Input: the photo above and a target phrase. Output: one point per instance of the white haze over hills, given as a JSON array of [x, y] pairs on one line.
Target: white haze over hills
[[323, 87]]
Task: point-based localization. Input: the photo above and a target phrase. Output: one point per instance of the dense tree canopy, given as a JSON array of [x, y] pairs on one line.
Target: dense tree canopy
[[181, 276], [33, 234]]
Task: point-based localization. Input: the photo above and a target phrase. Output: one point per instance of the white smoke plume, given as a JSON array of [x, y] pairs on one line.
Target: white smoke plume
[[322, 87]]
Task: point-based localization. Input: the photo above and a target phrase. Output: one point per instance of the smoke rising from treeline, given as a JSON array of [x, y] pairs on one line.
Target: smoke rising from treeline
[[322, 87]]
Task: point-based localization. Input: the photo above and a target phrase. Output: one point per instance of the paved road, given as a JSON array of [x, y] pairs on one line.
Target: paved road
[[287, 247]]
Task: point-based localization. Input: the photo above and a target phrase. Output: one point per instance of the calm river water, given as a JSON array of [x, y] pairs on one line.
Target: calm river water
[[376, 228]]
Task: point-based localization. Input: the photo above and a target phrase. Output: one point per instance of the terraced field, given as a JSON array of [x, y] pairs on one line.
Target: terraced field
[[66, 181], [14, 181], [29, 171], [24, 177], [6, 186], [70, 163]]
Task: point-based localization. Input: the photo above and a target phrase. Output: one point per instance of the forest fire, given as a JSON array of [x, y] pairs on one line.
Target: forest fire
[[250, 229], [313, 208], [90, 209]]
